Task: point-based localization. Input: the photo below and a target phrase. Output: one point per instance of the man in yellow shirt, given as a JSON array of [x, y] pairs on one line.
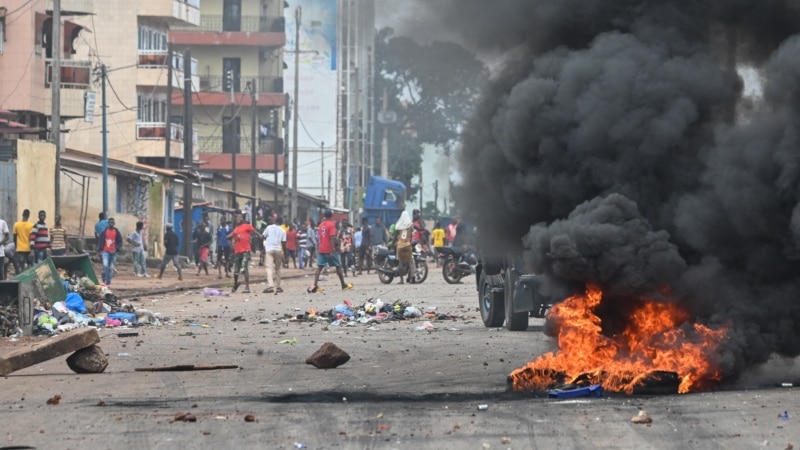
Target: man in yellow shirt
[[438, 238], [22, 239]]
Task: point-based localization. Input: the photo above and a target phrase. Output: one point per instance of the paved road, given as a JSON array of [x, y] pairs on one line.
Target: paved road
[[403, 388]]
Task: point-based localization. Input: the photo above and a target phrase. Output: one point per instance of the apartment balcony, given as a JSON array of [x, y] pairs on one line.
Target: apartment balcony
[[75, 82], [257, 31], [176, 12], [153, 68], [217, 144], [157, 131], [216, 83], [265, 99], [73, 7]]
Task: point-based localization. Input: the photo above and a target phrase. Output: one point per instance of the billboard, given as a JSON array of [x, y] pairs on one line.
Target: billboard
[[317, 78]]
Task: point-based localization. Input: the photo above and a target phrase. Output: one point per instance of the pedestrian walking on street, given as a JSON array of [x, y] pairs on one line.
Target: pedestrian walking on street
[[274, 245], [241, 237], [138, 251], [203, 244], [58, 238], [171, 243], [5, 235], [327, 253], [291, 246], [223, 249], [302, 246], [364, 246], [108, 244]]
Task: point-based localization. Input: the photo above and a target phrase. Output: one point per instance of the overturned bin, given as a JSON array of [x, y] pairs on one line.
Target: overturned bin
[[47, 283], [76, 263], [16, 308]]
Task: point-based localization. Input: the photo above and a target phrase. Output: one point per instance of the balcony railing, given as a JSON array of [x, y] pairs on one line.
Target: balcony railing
[[74, 74], [158, 58], [214, 144], [215, 83], [249, 24], [156, 131]]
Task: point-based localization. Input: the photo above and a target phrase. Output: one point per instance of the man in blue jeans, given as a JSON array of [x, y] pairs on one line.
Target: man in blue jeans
[[108, 242]]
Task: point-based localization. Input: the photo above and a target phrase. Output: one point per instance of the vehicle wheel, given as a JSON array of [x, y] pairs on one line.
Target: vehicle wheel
[[492, 304], [422, 272], [385, 277], [449, 271], [514, 321]]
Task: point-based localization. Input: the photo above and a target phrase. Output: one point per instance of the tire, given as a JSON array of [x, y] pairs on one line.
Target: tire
[[514, 321], [492, 304], [385, 277], [449, 273], [422, 271]]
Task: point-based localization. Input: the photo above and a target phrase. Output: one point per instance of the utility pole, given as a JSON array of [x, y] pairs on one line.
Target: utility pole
[[233, 150], [168, 134], [322, 172], [420, 191], [103, 75], [298, 13], [55, 85], [436, 198], [254, 172], [187, 152], [385, 139], [286, 117]]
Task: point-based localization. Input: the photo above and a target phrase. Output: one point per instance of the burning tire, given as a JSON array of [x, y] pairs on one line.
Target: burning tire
[[514, 321], [491, 302]]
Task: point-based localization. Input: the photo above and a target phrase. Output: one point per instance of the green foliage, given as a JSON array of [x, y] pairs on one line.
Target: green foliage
[[432, 88]]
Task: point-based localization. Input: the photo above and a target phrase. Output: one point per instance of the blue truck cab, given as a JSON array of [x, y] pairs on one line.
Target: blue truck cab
[[384, 198]]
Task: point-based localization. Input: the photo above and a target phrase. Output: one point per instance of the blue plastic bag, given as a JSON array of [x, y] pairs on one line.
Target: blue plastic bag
[[74, 302], [123, 316]]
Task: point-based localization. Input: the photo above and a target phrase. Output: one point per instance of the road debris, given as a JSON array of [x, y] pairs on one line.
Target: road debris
[[186, 368], [328, 356], [91, 359], [41, 351], [642, 418]]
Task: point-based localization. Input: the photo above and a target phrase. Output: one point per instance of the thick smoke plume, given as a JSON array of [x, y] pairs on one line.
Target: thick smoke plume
[[616, 145]]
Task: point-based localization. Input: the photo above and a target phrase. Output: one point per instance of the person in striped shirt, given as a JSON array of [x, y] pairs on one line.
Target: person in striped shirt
[[40, 239], [58, 239], [302, 244]]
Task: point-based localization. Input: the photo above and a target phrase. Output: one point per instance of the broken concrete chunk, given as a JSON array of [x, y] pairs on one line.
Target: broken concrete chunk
[[328, 356], [642, 418], [88, 360], [45, 350]]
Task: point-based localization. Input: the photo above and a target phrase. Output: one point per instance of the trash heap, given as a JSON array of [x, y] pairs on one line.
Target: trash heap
[[9, 315], [371, 311], [86, 304]]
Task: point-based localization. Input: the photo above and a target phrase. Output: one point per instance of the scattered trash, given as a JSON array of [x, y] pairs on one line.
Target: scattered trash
[[784, 416], [211, 292], [54, 400], [185, 417], [427, 326], [123, 355], [642, 418], [505, 440], [787, 385], [300, 445], [483, 407], [127, 334], [249, 418], [186, 368], [291, 341]]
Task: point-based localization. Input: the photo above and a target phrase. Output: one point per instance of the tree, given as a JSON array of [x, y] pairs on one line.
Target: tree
[[432, 88]]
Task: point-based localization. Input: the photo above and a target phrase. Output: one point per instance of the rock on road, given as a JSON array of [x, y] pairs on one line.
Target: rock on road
[[402, 388]]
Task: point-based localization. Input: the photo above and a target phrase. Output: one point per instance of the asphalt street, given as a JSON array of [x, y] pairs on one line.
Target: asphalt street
[[404, 387]]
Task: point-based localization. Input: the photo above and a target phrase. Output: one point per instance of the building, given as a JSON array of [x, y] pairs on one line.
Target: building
[[238, 107]]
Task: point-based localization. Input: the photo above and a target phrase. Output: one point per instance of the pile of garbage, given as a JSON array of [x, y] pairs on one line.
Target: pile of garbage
[[9, 315], [86, 304], [370, 312]]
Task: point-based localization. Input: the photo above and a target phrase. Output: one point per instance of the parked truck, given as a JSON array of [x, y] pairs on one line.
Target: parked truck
[[508, 294], [384, 198]]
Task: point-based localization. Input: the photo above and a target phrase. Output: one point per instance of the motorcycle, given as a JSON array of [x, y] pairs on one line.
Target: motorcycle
[[454, 265], [387, 265]]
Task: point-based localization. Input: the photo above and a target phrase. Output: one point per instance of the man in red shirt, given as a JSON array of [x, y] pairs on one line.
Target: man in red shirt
[[240, 237], [327, 252], [108, 242]]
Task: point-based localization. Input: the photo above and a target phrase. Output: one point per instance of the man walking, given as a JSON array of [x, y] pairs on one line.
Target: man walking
[[58, 239], [302, 245], [22, 241], [4, 235], [223, 249], [364, 254], [241, 236], [326, 253], [40, 239], [108, 244], [379, 233], [138, 252], [274, 245], [171, 242], [203, 243]]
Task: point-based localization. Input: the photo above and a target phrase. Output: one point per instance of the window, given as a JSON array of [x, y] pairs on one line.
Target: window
[[151, 39], [152, 108]]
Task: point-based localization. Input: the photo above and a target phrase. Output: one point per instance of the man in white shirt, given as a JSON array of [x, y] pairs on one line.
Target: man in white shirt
[[274, 246], [4, 235]]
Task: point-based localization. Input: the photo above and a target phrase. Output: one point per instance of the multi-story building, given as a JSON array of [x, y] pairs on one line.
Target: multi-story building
[[238, 45]]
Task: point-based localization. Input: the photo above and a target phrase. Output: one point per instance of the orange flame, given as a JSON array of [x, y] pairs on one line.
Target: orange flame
[[657, 337]]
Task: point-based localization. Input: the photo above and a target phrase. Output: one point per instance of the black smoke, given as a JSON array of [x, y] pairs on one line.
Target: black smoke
[[616, 146]]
